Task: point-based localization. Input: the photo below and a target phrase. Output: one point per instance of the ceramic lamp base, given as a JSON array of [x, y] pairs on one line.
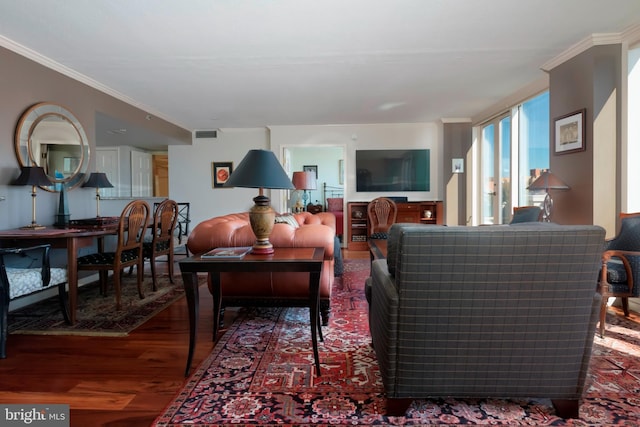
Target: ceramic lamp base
[[262, 218]]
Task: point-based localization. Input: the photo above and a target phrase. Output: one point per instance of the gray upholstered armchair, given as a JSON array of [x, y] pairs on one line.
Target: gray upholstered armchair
[[480, 312]]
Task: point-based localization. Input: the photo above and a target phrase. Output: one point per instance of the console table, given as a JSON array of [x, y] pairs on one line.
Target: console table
[[283, 259]]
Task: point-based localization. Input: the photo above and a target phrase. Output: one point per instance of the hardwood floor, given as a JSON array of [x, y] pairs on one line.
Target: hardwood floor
[[124, 381]]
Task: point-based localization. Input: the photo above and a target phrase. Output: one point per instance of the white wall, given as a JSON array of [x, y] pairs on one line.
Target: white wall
[[377, 136], [190, 166], [190, 172]]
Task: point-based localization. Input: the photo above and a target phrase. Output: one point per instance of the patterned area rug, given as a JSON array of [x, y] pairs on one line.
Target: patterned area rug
[[97, 314], [261, 373]]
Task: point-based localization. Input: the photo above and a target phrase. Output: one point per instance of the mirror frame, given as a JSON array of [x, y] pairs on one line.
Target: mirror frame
[[24, 152]]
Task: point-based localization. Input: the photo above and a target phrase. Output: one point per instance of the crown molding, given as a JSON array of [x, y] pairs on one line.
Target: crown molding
[[66, 71], [630, 34]]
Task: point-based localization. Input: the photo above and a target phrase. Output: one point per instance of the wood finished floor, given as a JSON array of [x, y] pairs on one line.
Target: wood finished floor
[[124, 381]]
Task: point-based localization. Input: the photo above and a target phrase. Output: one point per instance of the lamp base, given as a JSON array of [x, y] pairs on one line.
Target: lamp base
[[547, 208], [33, 227], [62, 220], [262, 218]]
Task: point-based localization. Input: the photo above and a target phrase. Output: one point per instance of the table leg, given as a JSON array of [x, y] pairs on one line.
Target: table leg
[[216, 290], [190, 281], [314, 313], [72, 277]]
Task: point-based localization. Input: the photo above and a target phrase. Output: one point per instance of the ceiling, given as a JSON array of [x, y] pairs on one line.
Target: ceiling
[[208, 64]]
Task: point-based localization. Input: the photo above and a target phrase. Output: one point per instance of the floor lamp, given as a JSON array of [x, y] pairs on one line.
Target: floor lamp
[[547, 181]]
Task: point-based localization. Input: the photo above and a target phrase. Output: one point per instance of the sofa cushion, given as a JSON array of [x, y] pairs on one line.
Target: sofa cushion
[[287, 219], [26, 281]]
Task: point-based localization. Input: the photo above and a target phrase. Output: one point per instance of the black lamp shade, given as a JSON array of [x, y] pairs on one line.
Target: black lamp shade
[[260, 169], [98, 180], [32, 175]]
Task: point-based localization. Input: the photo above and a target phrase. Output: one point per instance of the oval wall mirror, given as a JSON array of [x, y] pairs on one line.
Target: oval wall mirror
[[50, 136]]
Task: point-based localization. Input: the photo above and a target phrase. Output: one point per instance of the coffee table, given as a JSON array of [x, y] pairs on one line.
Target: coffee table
[[283, 259]]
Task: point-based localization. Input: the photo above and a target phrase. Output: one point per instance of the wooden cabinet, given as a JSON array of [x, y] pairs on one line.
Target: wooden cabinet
[[358, 226], [427, 212]]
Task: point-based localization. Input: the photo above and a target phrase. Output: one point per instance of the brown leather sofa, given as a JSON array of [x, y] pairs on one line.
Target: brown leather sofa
[[270, 289]]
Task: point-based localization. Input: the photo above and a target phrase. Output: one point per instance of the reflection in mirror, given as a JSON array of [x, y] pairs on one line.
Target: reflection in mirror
[[50, 136]]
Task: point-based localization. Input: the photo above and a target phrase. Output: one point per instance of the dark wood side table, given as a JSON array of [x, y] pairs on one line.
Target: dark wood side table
[[283, 259]]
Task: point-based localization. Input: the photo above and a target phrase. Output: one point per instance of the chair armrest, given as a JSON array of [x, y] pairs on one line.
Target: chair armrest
[[630, 261], [383, 319]]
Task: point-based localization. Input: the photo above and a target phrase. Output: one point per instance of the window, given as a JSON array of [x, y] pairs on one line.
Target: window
[[533, 145], [515, 149]]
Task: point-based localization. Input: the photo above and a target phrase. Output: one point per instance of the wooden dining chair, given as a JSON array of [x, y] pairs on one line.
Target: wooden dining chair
[[382, 213], [132, 226], [165, 218]]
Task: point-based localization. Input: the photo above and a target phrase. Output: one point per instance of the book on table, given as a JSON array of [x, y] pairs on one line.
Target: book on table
[[234, 252]]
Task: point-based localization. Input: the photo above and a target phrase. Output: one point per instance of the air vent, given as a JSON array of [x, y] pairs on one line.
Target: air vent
[[201, 134]]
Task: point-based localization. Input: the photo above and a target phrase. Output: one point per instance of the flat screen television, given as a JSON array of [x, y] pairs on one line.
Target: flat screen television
[[392, 170]]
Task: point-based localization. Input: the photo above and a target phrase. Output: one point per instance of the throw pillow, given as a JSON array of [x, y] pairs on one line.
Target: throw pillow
[[287, 219]]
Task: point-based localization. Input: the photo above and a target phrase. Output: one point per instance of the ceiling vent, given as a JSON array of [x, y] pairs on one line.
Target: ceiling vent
[[206, 134]]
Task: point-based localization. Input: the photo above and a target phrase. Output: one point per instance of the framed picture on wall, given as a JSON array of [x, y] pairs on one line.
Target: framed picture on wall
[[311, 168], [569, 132], [220, 172]]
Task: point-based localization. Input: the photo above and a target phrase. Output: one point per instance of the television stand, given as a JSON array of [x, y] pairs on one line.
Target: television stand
[[426, 212]]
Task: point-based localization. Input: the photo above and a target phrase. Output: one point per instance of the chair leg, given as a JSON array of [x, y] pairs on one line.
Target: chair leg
[[397, 407], [4, 326], [603, 315], [152, 262], [116, 284], [566, 408], [170, 260], [625, 306], [141, 277], [103, 275]]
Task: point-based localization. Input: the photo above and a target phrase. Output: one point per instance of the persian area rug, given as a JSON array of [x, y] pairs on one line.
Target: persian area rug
[[261, 373], [97, 314]]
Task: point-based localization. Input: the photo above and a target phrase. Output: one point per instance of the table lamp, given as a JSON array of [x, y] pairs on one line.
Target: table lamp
[[98, 180], [304, 181], [547, 181], [33, 176], [260, 169]]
